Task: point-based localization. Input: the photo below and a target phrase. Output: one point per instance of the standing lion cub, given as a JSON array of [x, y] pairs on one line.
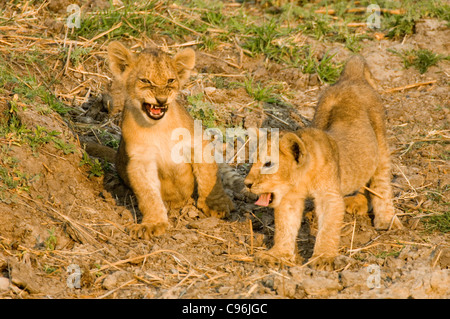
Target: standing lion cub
[[345, 150], [151, 82]]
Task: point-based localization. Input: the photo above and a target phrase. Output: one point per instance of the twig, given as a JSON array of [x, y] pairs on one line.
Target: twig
[[407, 180], [311, 261], [105, 33], [353, 236], [227, 62], [277, 118], [364, 248], [114, 290], [187, 44], [373, 192], [90, 73], [224, 75], [356, 24], [251, 236], [410, 86], [237, 153], [178, 24], [209, 236], [360, 10], [68, 59]]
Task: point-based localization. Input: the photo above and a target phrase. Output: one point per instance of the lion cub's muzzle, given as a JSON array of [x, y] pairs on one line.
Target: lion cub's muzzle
[[155, 111], [264, 199]]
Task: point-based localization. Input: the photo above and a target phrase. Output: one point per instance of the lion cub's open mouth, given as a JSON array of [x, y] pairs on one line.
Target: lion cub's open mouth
[[264, 199], [155, 112]]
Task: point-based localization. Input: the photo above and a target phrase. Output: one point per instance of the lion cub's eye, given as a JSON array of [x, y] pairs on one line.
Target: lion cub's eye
[[146, 81], [268, 164], [170, 81]]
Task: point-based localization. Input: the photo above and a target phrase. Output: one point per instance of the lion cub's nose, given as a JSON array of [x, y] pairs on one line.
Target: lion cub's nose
[[161, 100], [248, 184]]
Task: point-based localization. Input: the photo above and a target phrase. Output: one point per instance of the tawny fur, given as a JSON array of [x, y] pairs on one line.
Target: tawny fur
[[144, 158], [344, 150]]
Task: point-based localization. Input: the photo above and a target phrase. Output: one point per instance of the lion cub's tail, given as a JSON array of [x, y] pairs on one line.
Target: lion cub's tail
[[357, 69], [101, 151]]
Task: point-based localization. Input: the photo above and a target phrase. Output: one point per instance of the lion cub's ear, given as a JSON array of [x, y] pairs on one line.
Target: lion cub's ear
[[292, 145], [120, 58], [184, 63]]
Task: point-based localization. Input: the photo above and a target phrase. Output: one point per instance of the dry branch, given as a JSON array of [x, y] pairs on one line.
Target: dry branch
[[410, 86], [360, 10]]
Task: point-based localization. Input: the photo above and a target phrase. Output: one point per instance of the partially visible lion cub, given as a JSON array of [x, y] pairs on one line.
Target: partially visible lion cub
[[345, 150], [144, 161]]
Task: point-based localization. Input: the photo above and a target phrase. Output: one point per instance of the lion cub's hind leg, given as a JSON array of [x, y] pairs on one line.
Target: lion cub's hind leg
[[357, 204], [383, 207]]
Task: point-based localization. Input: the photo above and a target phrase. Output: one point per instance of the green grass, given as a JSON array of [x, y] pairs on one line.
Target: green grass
[[419, 59], [108, 139], [260, 92], [13, 129], [51, 241], [202, 110], [439, 222], [398, 26], [326, 69], [95, 167], [30, 90], [11, 177], [133, 23], [385, 254], [48, 269], [77, 55]]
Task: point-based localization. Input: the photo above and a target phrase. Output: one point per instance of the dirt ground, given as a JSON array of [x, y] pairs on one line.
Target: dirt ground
[[66, 221]]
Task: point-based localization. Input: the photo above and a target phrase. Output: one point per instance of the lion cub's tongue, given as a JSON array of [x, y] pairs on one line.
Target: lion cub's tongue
[[156, 111], [263, 199]]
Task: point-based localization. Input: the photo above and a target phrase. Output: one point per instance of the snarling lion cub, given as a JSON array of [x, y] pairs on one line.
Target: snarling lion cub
[[144, 161], [345, 150]]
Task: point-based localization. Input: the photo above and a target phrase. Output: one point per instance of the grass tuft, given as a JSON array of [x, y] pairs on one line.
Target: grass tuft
[[421, 59]]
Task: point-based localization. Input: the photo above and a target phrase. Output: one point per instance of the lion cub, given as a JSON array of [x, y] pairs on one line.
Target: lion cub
[[144, 161], [345, 150]]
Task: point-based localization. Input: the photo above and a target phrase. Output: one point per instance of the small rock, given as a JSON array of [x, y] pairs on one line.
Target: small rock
[[440, 282], [354, 278], [204, 223], [321, 286], [116, 279], [23, 276], [4, 283], [314, 79], [209, 89], [394, 263], [288, 288], [300, 273], [342, 261], [192, 213]]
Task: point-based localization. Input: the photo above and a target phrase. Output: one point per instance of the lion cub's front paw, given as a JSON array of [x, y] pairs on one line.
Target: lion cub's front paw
[[219, 208], [148, 230], [386, 222], [322, 263], [273, 257]]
